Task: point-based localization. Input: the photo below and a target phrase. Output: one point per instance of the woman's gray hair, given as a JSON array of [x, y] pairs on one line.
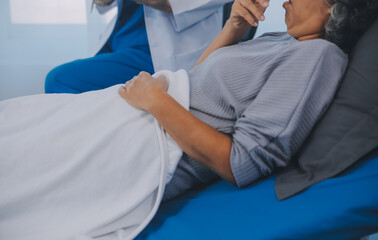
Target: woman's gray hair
[[348, 20], [337, 19]]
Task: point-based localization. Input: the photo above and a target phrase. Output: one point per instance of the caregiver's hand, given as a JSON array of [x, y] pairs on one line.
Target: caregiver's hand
[[144, 90], [162, 5], [246, 13]]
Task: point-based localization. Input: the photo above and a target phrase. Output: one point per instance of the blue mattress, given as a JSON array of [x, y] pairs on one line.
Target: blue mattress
[[345, 207]]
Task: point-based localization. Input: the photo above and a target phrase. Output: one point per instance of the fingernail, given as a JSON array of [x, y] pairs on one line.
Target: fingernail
[[262, 18], [255, 24], [266, 4]]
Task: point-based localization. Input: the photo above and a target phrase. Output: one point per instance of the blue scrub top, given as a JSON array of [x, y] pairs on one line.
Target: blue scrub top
[[124, 55], [130, 29]]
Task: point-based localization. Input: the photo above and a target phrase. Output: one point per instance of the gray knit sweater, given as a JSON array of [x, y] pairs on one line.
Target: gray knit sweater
[[266, 94]]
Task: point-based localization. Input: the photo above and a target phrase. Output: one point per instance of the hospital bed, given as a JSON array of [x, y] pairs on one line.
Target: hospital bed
[[342, 207]]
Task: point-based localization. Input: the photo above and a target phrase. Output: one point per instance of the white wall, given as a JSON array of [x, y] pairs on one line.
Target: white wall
[[34, 38], [274, 18]]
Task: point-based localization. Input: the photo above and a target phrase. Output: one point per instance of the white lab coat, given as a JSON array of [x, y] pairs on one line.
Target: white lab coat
[[176, 39]]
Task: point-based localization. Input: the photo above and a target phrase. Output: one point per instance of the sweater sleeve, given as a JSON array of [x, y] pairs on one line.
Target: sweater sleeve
[[296, 94]]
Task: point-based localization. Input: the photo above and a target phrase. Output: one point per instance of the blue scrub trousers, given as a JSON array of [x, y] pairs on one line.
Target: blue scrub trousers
[[124, 55]]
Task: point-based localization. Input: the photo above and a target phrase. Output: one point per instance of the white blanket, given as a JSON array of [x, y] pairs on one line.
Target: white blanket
[[83, 166]]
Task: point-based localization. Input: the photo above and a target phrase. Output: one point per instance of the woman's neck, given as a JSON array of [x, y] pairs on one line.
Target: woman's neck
[[310, 37]]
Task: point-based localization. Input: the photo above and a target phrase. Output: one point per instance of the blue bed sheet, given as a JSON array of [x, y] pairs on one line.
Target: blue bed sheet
[[345, 207]]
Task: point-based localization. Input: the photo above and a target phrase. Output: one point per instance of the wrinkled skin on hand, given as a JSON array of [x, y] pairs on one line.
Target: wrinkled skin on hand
[[143, 90]]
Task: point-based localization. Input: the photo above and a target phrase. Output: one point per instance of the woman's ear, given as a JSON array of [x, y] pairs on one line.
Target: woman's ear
[[329, 10], [328, 5]]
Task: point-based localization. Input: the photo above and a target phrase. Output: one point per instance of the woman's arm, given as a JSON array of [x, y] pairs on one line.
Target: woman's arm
[[244, 14], [201, 142]]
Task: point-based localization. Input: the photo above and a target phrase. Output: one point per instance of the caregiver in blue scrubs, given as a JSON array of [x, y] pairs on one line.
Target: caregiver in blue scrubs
[[148, 35]]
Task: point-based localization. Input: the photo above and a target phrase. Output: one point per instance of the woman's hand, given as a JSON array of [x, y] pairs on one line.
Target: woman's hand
[[200, 141], [246, 13], [144, 90], [162, 5]]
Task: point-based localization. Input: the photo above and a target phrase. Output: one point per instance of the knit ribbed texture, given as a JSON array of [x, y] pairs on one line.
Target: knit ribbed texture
[[266, 94]]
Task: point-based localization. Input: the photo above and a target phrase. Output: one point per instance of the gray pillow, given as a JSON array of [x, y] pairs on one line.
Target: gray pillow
[[349, 129]]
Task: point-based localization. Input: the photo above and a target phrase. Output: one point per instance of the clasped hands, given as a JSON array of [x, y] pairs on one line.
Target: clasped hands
[[143, 91], [246, 13]]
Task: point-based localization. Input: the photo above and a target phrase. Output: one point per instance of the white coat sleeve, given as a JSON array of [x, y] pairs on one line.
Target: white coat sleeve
[[103, 10], [186, 13]]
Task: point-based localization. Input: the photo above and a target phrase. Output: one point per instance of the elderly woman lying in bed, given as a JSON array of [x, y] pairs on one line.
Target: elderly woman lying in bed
[[241, 113], [253, 104]]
